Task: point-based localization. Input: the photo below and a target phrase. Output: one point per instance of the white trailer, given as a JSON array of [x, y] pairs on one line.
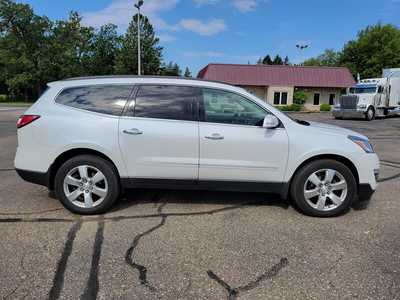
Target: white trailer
[[370, 98]]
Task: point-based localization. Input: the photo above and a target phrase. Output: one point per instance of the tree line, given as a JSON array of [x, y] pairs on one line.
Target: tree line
[[375, 48], [35, 50]]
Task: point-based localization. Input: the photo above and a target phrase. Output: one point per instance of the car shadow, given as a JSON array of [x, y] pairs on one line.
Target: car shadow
[[185, 197]]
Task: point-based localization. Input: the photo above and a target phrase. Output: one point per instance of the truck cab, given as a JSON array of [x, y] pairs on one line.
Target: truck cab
[[370, 98]]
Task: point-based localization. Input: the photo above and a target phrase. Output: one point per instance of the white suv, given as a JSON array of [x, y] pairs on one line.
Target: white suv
[[89, 138]]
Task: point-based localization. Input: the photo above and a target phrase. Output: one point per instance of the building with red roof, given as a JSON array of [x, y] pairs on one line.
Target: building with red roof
[[277, 84]]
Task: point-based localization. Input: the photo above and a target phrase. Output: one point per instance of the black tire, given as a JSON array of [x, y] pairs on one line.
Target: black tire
[[370, 114], [301, 177], [110, 173]]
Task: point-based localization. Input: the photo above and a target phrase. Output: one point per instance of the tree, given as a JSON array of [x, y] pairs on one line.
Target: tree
[[151, 51], [267, 60], [286, 61], [277, 60], [376, 47], [171, 69], [106, 43], [330, 58], [299, 97], [187, 73]]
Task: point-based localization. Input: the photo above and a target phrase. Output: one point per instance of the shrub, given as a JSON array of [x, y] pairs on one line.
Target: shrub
[[3, 98], [293, 107], [325, 107], [299, 97]]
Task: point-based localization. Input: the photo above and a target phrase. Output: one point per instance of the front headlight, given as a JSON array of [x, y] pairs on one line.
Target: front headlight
[[363, 143]]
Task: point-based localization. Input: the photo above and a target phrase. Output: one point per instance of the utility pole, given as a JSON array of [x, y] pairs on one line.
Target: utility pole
[[138, 5]]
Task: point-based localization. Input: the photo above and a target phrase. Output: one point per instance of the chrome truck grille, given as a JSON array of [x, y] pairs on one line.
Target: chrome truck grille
[[348, 101]]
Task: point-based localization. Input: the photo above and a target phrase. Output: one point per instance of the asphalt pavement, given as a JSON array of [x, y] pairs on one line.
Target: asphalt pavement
[[200, 245]]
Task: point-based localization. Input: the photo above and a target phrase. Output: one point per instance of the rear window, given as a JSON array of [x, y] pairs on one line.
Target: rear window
[[166, 102], [105, 99]]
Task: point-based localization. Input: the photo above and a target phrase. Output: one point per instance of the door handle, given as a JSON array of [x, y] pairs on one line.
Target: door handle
[[215, 137], [133, 131]]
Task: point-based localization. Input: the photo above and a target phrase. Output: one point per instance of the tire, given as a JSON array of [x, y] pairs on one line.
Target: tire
[[303, 185], [370, 114], [74, 186]]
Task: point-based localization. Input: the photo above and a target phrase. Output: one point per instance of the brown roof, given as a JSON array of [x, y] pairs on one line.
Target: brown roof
[[273, 75]]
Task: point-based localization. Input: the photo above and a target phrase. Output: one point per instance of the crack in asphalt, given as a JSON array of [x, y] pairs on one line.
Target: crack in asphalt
[[233, 293], [13, 291], [58, 280], [30, 213], [129, 255], [391, 164], [6, 170], [92, 285]]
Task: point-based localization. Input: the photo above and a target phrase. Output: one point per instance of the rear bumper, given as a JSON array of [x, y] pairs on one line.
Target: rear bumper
[[34, 177], [348, 113]]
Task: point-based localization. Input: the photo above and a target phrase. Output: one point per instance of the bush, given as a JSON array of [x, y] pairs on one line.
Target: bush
[[3, 98], [325, 107], [299, 97], [293, 107]]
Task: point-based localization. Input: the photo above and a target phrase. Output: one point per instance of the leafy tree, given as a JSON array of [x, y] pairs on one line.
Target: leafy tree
[[299, 97], [106, 43], [277, 60], [375, 48], [330, 58], [187, 73], [151, 51]]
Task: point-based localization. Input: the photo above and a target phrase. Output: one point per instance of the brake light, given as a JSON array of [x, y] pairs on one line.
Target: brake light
[[25, 120]]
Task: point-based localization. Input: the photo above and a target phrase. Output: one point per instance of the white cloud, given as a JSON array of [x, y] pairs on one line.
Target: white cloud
[[205, 2], [166, 38], [209, 28], [245, 5], [120, 13], [209, 54]]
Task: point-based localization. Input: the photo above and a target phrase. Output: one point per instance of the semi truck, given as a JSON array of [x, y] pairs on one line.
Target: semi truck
[[370, 98]]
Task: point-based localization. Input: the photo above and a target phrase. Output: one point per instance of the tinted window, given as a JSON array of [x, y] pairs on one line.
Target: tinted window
[[230, 108], [284, 98], [106, 99], [166, 102], [316, 99], [332, 99], [277, 97]]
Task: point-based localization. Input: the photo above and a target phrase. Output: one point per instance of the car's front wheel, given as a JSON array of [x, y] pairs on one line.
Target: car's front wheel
[[87, 184], [324, 188]]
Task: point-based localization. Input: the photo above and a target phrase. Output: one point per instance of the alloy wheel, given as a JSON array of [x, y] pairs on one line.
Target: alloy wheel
[[325, 190], [85, 186]]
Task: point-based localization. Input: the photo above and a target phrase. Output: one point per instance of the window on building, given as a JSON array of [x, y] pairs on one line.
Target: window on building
[[332, 99], [280, 98], [316, 98], [166, 102]]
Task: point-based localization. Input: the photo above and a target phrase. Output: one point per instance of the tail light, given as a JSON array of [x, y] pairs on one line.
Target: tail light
[[25, 120]]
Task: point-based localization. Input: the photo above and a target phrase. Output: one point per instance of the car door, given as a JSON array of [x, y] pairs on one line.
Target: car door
[[233, 144], [159, 136]]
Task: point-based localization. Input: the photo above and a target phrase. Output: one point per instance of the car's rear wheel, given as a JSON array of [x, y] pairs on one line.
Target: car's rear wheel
[[324, 188], [87, 184]]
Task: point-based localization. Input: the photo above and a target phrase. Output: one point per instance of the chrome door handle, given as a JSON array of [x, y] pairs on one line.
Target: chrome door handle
[[215, 137], [133, 131]]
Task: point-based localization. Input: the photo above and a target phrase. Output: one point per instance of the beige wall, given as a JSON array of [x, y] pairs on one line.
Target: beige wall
[[259, 91], [324, 97]]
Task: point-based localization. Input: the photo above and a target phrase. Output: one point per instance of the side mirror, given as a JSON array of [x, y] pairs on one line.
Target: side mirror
[[271, 122]]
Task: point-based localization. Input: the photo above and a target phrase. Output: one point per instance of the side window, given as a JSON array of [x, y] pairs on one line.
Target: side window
[[280, 98], [105, 99], [332, 99], [316, 99], [230, 108], [166, 102]]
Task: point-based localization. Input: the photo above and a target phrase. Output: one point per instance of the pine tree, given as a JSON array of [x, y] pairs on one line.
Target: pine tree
[[267, 60], [187, 73], [277, 60], [151, 52]]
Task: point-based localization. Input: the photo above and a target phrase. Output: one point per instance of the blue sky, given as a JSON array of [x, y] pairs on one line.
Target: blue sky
[[197, 32]]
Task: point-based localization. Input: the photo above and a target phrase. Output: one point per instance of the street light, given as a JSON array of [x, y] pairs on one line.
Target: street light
[[138, 6], [302, 47]]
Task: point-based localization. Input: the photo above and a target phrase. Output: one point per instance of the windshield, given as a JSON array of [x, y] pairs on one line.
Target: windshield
[[366, 89]]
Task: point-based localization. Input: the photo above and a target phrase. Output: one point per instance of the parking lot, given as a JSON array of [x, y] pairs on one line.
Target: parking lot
[[200, 245]]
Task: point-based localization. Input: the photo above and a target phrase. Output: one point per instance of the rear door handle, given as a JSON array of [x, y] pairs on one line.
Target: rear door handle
[[133, 131], [215, 137]]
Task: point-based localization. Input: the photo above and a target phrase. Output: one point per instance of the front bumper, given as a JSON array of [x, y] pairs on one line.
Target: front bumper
[[348, 113]]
